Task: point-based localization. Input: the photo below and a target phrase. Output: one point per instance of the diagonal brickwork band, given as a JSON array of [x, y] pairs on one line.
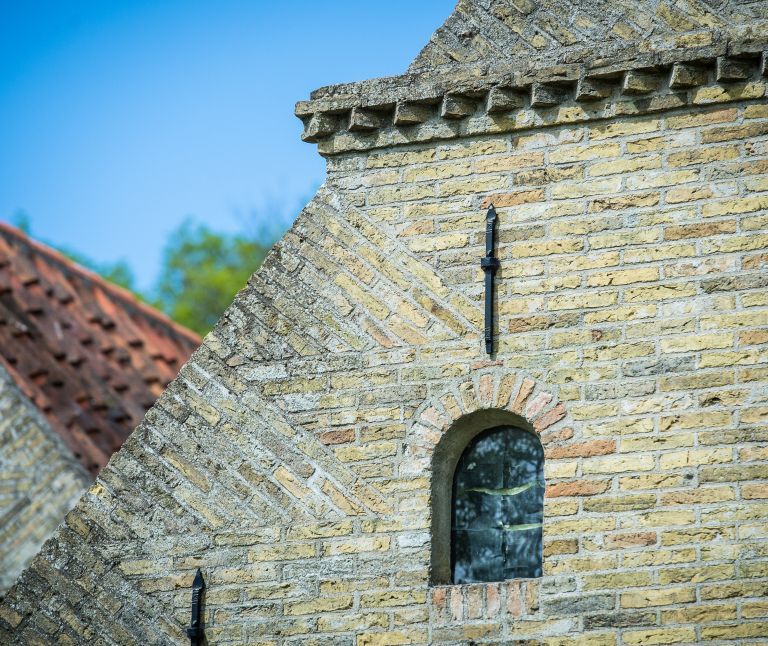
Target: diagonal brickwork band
[[301, 458], [487, 31]]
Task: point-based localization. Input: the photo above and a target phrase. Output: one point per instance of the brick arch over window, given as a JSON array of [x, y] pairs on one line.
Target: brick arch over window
[[444, 426]]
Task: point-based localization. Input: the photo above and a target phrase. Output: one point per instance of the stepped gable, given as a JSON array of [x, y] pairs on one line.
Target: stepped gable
[[299, 457], [505, 66], [87, 353], [499, 31]]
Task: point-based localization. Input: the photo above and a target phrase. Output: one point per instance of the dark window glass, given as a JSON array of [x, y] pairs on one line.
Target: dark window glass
[[498, 507]]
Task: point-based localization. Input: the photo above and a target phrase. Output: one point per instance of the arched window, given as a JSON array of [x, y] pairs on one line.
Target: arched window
[[498, 507]]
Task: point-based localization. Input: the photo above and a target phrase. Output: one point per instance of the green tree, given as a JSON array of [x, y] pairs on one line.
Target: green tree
[[21, 220], [202, 271], [118, 272]]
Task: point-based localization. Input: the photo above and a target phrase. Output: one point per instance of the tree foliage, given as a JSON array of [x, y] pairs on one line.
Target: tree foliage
[[202, 270], [118, 272]]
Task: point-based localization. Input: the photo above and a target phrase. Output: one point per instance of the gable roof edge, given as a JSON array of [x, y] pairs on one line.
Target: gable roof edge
[[354, 116], [122, 294]]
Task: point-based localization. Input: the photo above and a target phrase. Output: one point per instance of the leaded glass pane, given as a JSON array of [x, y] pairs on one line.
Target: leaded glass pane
[[498, 507]]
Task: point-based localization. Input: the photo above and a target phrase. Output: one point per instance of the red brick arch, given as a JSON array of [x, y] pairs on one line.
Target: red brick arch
[[444, 425], [516, 394]]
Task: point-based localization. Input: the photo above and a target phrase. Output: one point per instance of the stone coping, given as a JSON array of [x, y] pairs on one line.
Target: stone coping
[[474, 101]]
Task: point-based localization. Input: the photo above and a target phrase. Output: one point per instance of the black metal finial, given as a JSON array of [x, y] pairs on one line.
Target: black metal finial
[[195, 630], [489, 264]]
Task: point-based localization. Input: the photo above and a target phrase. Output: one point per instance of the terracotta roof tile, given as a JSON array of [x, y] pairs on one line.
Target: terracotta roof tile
[[88, 354]]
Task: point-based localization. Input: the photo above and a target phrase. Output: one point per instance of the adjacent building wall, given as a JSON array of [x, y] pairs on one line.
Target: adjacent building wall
[[291, 460], [40, 481]]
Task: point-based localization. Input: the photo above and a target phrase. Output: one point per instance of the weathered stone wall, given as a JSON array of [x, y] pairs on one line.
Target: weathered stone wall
[[484, 31], [40, 481], [291, 459]]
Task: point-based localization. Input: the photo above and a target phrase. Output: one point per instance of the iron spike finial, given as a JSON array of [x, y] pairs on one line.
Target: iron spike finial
[[489, 264], [195, 630]]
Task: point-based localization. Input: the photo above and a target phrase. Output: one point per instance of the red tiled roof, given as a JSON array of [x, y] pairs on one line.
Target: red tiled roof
[[90, 356]]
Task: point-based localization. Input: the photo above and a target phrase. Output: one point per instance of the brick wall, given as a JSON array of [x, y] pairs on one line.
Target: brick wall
[[40, 481], [291, 460]]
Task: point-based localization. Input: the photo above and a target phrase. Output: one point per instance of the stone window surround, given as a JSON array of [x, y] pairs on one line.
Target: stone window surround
[[445, 425], [445, 459]]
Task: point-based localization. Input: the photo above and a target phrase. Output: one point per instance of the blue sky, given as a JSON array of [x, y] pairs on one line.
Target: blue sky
[[120, 118]]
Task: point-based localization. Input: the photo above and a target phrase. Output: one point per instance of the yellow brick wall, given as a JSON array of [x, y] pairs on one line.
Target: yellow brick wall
[[292, 459], [633, 282]]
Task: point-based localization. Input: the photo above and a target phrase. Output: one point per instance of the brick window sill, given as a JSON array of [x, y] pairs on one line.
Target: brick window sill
[[463, 602]]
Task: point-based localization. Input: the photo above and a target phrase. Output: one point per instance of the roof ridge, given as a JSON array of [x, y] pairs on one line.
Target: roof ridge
[[117, 291]]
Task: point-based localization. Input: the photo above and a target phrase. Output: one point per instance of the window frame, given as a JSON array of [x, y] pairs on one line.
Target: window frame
[[444, 461], [511, 447]]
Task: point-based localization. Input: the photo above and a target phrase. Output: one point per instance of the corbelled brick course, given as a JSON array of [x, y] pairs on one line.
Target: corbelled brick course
[[292, 460]]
